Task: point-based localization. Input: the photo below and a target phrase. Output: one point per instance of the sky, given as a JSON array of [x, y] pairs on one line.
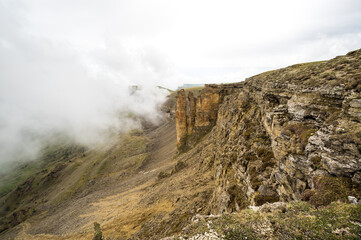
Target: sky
[[193, 41], [67, 65]]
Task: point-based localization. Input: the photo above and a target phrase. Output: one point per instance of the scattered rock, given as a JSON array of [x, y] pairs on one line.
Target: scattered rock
[[272, 207], [352, 200]]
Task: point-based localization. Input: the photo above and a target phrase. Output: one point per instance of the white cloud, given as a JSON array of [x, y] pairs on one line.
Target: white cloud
[[68, 64], [49, 86]]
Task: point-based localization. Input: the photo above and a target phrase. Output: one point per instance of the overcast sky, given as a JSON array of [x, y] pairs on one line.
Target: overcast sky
[[192, 41], [66, 65]]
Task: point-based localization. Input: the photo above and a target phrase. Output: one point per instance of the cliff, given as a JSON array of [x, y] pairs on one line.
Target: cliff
[[284, 135], [195, 116], [288, 134]]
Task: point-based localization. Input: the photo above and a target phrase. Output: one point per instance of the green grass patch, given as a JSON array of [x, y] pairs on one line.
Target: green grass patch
[[297, 220]]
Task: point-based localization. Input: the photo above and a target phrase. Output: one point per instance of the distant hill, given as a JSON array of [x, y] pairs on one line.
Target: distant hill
[[190, 86]]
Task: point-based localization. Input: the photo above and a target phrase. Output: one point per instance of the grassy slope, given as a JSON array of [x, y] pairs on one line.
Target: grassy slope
[[296, 220], [62, 172], [340, 70], [52, 154], [111, 185]]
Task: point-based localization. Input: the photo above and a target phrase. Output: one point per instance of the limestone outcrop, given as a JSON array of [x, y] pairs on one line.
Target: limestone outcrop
[[181, 117], [195, 116], [288, 134]]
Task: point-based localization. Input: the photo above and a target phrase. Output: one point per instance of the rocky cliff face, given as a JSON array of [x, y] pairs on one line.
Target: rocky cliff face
[[181, 118], [195, 116], [288, 134]]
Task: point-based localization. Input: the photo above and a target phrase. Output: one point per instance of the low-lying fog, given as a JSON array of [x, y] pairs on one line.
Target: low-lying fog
[[49, 87]]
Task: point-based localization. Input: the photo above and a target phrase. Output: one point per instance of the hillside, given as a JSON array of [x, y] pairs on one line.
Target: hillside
[[288, 134], [291, 135]]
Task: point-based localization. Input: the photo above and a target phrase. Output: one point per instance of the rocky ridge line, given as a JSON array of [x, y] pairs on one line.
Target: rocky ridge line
[[284, 135]]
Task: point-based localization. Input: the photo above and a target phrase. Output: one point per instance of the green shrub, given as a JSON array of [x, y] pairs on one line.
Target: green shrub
[[98, 235], [179, 166], [162, 175], [329, 189], [301, 131], [316, 162], [261, 199], [328, 75]]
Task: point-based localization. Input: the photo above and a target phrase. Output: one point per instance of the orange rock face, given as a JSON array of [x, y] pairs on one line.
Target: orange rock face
[[181, 117], [196, 116], [207, 107]]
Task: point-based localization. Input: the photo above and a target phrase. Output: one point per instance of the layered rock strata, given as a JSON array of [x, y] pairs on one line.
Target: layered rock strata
[[288, 134], [195, 116]]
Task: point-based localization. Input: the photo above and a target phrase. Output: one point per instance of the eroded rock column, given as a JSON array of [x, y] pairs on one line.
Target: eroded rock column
[[181, 117]]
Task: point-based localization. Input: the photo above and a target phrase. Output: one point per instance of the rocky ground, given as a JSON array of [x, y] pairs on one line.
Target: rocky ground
[[279, 220]]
